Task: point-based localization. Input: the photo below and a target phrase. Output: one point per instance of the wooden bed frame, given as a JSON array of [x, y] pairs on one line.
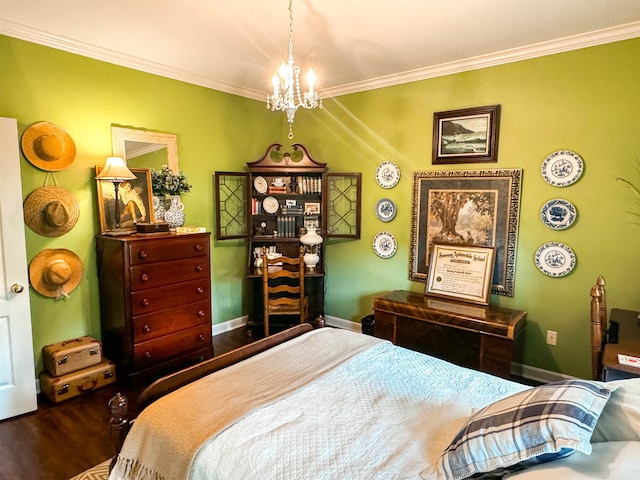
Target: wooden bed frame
[[120, 423]]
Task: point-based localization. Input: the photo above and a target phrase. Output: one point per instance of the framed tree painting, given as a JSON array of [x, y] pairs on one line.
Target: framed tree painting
[[466, 136], [469, 207]]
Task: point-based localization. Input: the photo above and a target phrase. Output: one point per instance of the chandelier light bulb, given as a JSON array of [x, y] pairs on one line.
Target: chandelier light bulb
[[286, 96]]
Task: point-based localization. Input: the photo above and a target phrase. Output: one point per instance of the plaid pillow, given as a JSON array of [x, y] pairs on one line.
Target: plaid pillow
[[534, 426]]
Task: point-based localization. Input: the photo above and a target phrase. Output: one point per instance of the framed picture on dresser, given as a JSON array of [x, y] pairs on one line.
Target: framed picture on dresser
[[135, 202]]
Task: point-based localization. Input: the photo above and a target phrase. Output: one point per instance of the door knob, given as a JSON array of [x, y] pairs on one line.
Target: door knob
[[17, 288]]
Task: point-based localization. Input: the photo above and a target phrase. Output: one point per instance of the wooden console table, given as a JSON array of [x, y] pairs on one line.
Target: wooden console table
[[484, 338], [628, 344]]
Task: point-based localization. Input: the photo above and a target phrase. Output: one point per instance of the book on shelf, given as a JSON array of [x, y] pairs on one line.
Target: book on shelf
[[190, 229]]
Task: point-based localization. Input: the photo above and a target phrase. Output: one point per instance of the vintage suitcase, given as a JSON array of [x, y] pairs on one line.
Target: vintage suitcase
[[73, 384], [71, 355]]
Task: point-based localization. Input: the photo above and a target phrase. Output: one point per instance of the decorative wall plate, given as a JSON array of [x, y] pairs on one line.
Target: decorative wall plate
[[388, 174], [385, 209], [260, 184], [385, 245], [558, 214], [562, 168], [555, 259], [270, 205]]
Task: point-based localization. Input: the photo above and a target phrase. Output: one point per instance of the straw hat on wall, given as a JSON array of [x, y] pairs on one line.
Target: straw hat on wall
[[55, 272], [48, 146], [51, 211]]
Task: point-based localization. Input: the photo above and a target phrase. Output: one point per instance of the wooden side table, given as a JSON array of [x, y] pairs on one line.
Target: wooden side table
[[484, 338], [628, 344]]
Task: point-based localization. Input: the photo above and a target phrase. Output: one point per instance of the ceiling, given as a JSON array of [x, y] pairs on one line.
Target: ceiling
[[236, 45]]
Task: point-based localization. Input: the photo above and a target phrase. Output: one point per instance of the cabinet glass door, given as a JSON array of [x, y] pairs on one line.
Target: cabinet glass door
[[342, 204], [231, 202]]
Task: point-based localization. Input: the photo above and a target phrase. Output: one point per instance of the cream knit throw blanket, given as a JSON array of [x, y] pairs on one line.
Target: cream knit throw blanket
[[169, 433]]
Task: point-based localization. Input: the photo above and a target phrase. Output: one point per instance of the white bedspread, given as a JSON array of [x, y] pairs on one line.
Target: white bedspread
[[387, 413], [331, 404]]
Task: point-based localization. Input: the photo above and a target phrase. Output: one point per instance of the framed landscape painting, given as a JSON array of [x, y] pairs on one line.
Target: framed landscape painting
[[466, 136]]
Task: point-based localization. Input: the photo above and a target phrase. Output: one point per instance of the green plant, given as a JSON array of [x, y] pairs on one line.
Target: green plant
[[165, 182], [634, 189]]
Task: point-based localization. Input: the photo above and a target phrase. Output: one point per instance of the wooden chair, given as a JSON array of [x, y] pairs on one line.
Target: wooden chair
[[598, 326], [283, 287]]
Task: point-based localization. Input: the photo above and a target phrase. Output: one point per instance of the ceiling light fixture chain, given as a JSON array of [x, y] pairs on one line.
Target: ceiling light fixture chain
[[286, 96]]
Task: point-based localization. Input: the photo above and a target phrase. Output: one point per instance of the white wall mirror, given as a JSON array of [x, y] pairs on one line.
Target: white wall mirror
[[144, 149]]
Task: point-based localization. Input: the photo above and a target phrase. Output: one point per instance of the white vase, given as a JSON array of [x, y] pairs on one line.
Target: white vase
[[158, 208], [174, 215]]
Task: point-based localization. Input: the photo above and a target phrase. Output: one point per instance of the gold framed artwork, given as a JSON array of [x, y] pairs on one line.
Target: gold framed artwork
[[135, 202], [467, 207]]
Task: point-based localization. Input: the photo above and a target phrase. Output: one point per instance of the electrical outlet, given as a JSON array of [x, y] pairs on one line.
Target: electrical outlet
[[552, 337]]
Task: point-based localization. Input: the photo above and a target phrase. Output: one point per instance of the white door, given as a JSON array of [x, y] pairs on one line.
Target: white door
[[17, 369]]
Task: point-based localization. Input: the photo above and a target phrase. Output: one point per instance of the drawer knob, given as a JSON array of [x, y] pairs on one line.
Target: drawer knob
[[199, 268], [143, 254], [201, 338], [147, 355], [198, 247], [145, 302], [144, 277], [200, 290], [201, 313], [146, 328]]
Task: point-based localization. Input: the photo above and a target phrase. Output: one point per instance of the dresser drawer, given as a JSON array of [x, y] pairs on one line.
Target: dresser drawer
[[164, 322], [160, 298], [164, 250], [165, 273], [147, 354]]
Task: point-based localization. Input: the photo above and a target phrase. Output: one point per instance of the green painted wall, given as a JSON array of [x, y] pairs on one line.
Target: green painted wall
[[584, 101], [215, 131]]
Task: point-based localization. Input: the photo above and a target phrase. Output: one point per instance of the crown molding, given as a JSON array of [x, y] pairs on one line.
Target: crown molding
[[46, 39], [574, 42]]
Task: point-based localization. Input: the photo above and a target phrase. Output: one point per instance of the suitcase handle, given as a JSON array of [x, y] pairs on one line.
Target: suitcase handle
[[88, 385], [71, 341]]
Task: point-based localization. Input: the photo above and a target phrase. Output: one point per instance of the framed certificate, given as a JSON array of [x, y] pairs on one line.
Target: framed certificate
[[461, 272]]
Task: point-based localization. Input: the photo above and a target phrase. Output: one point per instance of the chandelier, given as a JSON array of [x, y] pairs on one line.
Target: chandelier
[[286, 96]]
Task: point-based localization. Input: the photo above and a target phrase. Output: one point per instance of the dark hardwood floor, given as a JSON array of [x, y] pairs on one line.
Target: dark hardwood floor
[[58, 441]]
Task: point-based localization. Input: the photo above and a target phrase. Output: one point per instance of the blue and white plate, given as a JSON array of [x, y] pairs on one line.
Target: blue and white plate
[[555, 259], [558, 214], [562, 168], [385, 210], [385, 245], [388, 174]]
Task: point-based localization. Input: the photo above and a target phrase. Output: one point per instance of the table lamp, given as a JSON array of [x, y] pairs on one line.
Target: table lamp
[[116, 171]]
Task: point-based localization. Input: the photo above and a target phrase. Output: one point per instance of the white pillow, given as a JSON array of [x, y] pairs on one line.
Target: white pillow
[[620, 418], [609, 460]]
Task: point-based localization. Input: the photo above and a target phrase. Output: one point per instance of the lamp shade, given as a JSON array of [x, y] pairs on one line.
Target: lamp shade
[[115, 170], [311, 237]]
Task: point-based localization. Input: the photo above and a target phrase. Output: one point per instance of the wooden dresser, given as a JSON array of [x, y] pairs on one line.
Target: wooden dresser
[[155, 302], [484, 338]]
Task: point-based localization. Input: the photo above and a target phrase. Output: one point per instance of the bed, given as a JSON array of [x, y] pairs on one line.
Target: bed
[[335, 404]]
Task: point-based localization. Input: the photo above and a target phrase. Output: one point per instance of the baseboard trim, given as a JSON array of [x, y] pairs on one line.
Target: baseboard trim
[[229, 325], [538, 374], [525, 371]]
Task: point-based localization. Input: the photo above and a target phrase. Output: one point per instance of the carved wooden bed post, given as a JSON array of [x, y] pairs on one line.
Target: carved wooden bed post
[[598, 326], [119, 423]]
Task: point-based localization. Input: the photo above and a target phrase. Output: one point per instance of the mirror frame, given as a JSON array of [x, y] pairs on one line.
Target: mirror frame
[[119, 135]]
